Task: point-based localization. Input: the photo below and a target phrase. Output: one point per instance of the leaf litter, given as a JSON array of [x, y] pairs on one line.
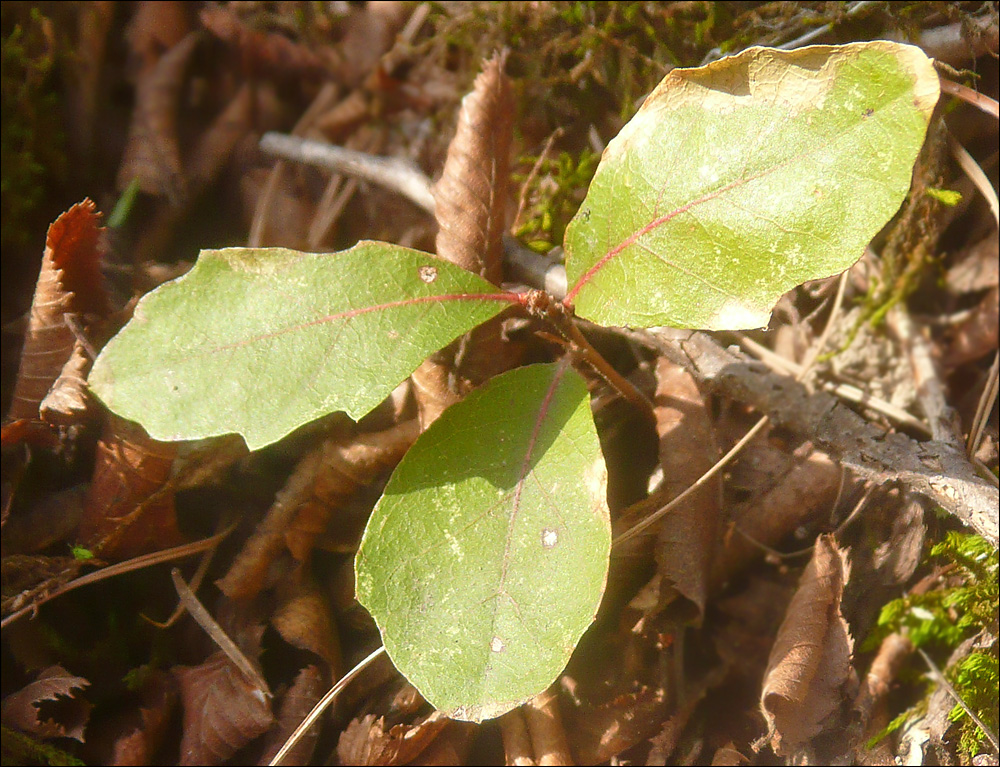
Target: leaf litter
[[647, 683]]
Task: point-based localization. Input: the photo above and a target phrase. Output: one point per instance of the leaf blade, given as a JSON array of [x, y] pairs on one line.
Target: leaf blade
[[261, 341], [487, 613], [712, 241]]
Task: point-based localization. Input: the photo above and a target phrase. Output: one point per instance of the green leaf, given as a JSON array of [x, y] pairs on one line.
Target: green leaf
[[737, 181], [261, 341], [486, 559]]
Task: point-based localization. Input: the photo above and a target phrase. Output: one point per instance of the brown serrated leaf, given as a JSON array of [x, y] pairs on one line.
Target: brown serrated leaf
[[365, 741], [66, 716], [129, 509], [139, 744], [223, 711], [152, 150], [296, 703], [322, 481], [304, 619], [69, 283], [809, 680], [69, 400]]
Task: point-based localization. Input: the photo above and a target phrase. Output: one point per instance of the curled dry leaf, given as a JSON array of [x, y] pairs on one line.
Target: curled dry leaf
[[67, 400], [69, 283], [152, 153], [602, 732], [296, 703], [367, 742], [304, 619], [54, 687], [809, 677], [321, 482], [223, 710], [545, 726], [129, 509], [470, 208], [688, 535]]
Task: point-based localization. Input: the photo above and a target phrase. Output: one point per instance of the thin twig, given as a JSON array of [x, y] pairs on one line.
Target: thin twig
[[977, 99], [976, 175], [202, 617], [985, 406], [393, 173], [120, 568], [320, 707], [522, 200], [940, 678]]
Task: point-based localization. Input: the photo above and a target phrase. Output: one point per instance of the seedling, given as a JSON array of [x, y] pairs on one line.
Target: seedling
[[486, 558]]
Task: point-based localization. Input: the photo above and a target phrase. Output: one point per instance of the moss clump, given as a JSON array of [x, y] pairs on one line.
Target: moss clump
[[31, 141]]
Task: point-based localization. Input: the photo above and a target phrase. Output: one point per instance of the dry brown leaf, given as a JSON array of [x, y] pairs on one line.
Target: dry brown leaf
[[65, 715], [129, 509], [322, 481], [217, 143], [155, 28], [152, 153], [688, 535], [68, 401], [976, 269], [517, 748], [804, 492], [545, 727], [296, 703], [809, 678], [262, 54], [139, 745], [471, 196], [977, 335], [223, 710], [69, 283], [470, 208], [602, 732], [304, 619], [29, 579], [365, 741], [53, 518]]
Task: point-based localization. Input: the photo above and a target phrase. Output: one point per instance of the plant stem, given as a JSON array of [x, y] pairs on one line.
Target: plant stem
[[540, 304]]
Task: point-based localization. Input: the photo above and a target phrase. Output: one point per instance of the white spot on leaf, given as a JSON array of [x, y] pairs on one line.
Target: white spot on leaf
[[496, 644], [428, 273], [549, 538]]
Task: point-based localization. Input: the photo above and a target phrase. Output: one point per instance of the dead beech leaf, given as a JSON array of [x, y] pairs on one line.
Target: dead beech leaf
[[688, 535], [809, 678], [65, 716], [129, 509], [806, 489], [603, 731], [365, 741], [152, 150], [68, 400], [304, 619], [140, 744], [977, 335], [223, 710], [321, 482], [471, 196], [470, 202], [69, 283], [154, 28], [296, 703]]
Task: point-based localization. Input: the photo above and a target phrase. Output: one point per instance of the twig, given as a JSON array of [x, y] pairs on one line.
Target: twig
[[985, 406], [320, 707], [202, 617], [940, 678], [392, 173], [977, 99], [523, 197], [976, 175], [138, 563]]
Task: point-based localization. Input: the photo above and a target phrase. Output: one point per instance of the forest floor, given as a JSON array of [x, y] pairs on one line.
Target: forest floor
[[815, 601]]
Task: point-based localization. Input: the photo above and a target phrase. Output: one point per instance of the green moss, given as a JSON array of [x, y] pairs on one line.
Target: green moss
[[938, 620], [31, 141], [553, 196]]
